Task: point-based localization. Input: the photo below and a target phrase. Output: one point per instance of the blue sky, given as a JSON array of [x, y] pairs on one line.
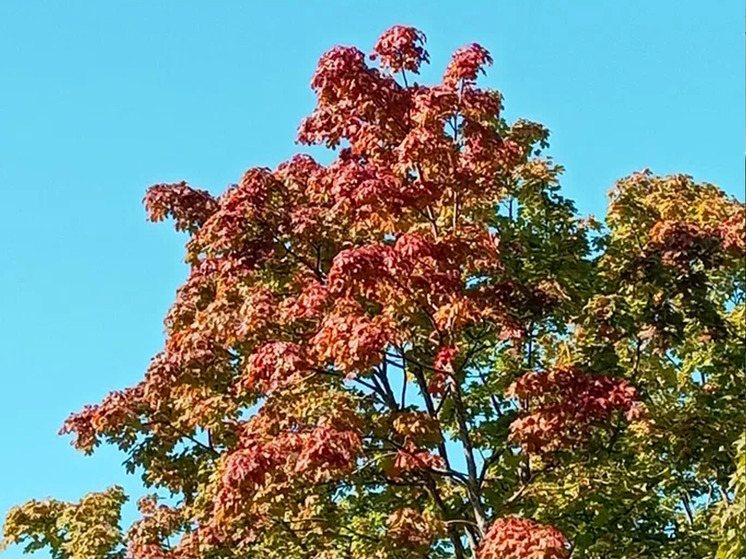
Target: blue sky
[[98, 100]]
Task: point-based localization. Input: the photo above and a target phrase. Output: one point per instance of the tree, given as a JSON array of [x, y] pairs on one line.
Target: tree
[[421, 350]]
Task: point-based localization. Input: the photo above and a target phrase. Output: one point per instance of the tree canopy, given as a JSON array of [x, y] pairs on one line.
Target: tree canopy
[[421, 350]]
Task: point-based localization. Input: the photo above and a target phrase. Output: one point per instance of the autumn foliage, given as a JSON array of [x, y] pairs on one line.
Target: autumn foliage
[[421, 350]]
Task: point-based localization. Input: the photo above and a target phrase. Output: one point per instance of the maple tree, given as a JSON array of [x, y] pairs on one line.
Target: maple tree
[[422, 350]]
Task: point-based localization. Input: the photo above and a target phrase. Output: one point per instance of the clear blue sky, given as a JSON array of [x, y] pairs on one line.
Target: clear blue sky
[[98, 100]]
